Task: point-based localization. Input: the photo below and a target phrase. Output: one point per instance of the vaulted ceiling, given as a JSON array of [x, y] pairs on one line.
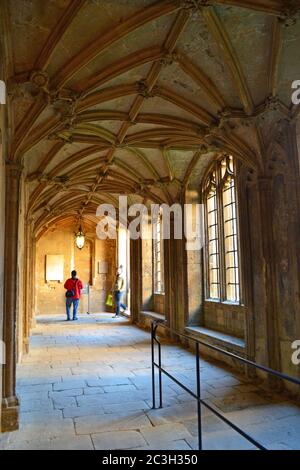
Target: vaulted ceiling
[[135, 97]]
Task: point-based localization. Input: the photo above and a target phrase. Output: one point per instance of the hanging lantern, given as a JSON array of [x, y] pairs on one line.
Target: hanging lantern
[[80, 238]]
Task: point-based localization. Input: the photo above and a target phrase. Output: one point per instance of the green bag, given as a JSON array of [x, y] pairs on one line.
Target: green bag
[[109, 300]]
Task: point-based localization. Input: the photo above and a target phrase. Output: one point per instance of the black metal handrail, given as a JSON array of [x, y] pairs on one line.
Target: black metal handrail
[[197, 395]]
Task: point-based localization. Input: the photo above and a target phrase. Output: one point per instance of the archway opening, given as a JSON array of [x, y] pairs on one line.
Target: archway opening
[[57, 256]]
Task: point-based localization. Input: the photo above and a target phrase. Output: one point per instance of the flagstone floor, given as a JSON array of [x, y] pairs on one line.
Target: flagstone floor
[[87, 385]]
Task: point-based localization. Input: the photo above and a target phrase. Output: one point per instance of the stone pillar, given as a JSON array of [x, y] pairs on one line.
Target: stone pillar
[[2, 237], [180, 281], [10, 404], [135, 279], [175, 280], [147, 268], [168, 282], [28, 283], [265, 187], [32, 313], [278, 194]]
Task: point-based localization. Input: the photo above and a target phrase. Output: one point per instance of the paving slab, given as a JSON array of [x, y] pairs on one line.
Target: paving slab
[[88, 385], [111, 422], [118, 440], [159, 435]]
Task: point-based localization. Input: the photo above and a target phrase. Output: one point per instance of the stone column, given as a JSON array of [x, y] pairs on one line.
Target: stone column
[[168, 282], [265, 186], [175, 280], [28, 283], [173, 267], [181, 283], [10, 404], [135, 279], [32, 312]]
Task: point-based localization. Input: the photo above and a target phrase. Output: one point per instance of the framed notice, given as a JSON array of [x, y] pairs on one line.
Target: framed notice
[[102, 267], [54, 268]]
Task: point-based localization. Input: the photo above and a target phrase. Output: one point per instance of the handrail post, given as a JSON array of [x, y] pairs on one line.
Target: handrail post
[[198, 397], [153, 367], [160, 375]]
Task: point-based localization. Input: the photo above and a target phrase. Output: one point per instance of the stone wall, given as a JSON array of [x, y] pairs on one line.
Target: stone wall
[[21, 304], [159, 303], [2, 218], [51, 295], [228, 319], [194, 271]]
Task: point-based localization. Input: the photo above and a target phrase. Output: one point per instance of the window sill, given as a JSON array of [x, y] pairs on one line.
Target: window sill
[[153, 315], [224, 302], [227, 306], [217, 338]]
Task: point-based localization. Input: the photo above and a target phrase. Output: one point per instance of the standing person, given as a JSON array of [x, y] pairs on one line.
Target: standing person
[[119, 286], [73, 287]]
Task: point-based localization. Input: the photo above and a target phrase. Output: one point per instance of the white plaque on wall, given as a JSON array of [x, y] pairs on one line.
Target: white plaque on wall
[[102, 267], [54, 268]]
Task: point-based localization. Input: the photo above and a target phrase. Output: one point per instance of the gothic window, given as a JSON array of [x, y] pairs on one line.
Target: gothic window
[[222, 250], [158, 260]]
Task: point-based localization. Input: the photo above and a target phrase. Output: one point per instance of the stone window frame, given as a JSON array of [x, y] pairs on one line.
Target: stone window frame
[[217, 176], [158, 247]]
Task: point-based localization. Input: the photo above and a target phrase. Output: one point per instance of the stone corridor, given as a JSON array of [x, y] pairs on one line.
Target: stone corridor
[[87, 385]]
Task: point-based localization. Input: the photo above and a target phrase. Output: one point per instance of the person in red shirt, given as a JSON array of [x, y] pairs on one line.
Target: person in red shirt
[[73, 287]]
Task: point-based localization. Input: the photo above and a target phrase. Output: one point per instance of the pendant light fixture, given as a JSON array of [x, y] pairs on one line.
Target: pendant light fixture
[[80, 238]]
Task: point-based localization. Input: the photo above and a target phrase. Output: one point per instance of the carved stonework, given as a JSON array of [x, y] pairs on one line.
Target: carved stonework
[[250, 177], [40, 80], [214, 130], [18, 91], [290, 14], [65, 101], [144, 90], [169, 59], [63, 96], [272, 110], [272, 103]]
